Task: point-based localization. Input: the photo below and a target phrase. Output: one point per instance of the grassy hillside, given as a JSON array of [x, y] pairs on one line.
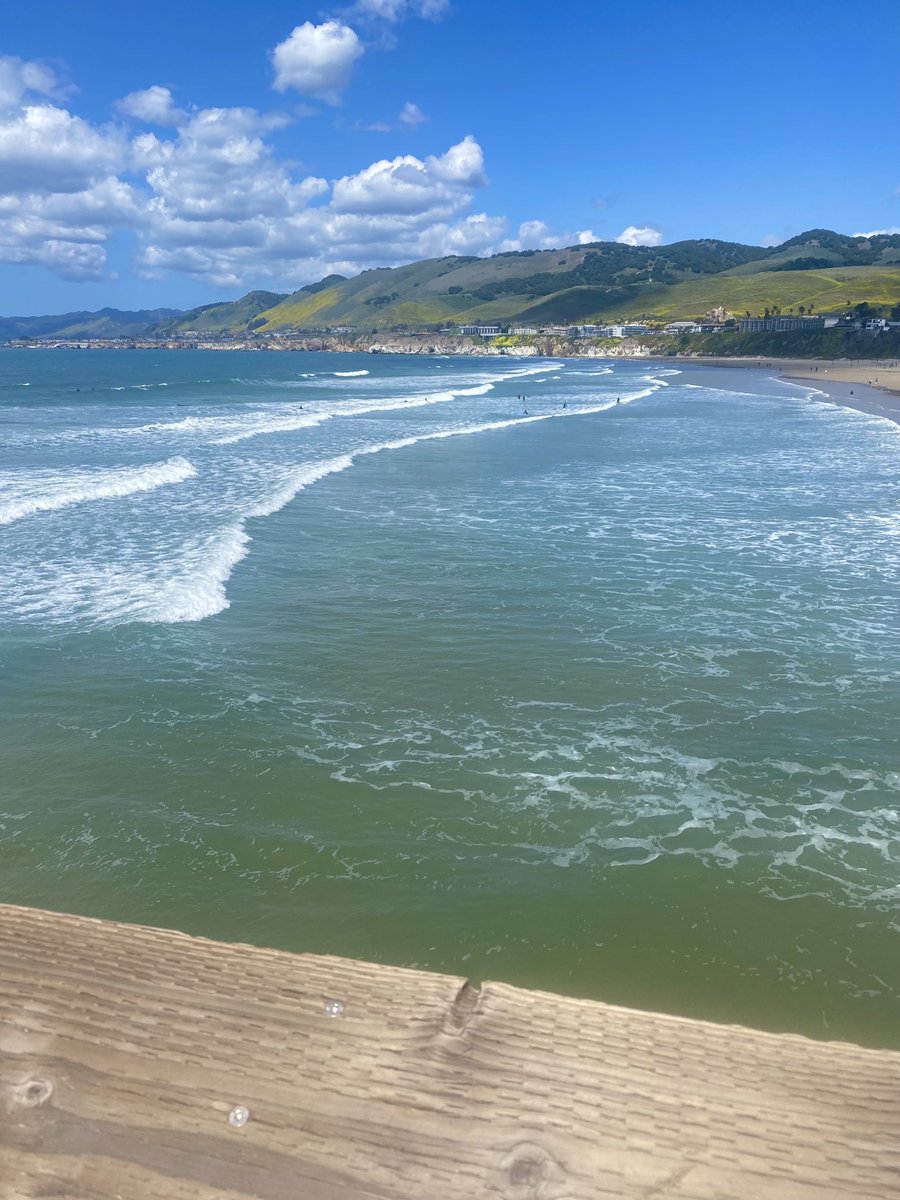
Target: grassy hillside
[[600, 281], [108, 322], [233, 316], [504, 286], [827, 290]]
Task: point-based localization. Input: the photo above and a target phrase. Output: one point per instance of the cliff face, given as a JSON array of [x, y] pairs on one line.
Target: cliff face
[[531, 347]]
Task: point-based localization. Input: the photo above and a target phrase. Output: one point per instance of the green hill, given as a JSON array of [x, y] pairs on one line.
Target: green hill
[[824, 290], [227, 316], [108, 322], [564, 284], [820, 269]]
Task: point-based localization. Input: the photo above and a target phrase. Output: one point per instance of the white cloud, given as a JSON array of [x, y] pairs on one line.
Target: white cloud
[[392, 11], [317, 60], [44, 149], [538, 235], [585, 236], [772, 239], [879, 232], [155, 105], [412, 115], [19, 79], [640, 235], [439, 186], [60, 195], [207, 195], [223, 208]]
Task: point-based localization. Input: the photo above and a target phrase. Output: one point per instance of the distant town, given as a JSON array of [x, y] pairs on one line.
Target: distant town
[[486, 336]]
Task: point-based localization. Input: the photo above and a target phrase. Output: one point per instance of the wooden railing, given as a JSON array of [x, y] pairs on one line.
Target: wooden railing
[[138, 1062]]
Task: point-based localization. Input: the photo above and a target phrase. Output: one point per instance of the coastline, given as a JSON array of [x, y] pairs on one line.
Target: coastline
[[868, 386]]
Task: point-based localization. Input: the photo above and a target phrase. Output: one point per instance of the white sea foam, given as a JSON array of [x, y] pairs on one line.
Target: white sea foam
[[262, 424], [227, 429], [199, 593], [197, 590], [45, 491], [349, 374]]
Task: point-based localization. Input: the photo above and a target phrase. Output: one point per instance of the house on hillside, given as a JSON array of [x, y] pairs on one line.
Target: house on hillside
[[780, 324], [486, 329], [677, 327], [623, 331]]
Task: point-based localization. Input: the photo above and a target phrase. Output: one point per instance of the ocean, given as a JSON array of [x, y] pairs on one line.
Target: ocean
[[576, 674]]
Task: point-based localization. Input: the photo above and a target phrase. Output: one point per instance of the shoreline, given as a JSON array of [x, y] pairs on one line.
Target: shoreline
[[867, 386]]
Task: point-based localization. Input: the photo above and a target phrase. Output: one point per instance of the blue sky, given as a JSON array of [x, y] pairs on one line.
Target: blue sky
[[185, 152]]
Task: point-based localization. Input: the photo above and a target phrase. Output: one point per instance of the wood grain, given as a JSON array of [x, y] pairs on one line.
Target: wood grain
[[123, 1049]]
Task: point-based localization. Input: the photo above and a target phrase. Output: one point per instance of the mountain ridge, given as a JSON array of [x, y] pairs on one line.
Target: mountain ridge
[[600, 282], [105, 322]]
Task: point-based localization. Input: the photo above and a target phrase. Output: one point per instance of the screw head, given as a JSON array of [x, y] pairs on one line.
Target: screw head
[[239, 1116], [34, 1092], [334, 1008]]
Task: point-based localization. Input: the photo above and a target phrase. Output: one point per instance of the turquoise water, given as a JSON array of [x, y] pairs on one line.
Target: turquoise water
[[346, 653]]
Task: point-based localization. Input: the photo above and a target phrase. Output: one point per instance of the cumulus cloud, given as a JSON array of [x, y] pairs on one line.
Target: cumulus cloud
[[60, 191], [532, 235], [538, 235], [45, 149], [317, 60], [437, 186], [206, 194], [155, 105], [412, 115], [225, 209], [879, 232], [19, 78], [640, 235]]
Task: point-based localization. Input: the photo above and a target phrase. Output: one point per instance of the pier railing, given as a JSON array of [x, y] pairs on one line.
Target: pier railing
[[138, 1062]]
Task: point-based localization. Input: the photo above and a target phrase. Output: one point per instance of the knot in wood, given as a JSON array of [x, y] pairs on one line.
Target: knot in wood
[[462, 1010], [33, 1092], [529, 1172]]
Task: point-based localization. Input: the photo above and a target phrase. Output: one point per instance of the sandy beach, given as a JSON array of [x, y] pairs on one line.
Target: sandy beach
[[870, 385]]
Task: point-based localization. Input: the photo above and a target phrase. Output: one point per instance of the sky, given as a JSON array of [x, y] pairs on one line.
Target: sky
[[187, 151]]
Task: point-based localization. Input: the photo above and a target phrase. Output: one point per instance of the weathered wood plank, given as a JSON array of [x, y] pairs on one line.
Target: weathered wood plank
[[123, 1049]]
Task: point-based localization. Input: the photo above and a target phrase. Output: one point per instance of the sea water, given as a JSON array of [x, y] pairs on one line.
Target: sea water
[[577, 674]]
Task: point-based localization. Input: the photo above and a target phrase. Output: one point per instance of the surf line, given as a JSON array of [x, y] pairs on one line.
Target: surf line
[[232, 543], [309, 473], [42, 494]]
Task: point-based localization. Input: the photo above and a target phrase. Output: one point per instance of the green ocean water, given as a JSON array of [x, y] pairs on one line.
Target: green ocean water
[[372, 656]]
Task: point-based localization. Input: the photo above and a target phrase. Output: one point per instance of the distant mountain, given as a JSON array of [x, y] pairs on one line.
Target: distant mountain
[[226, 316], [818, 270], [108, 322], [600, 281], [545, 285]]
